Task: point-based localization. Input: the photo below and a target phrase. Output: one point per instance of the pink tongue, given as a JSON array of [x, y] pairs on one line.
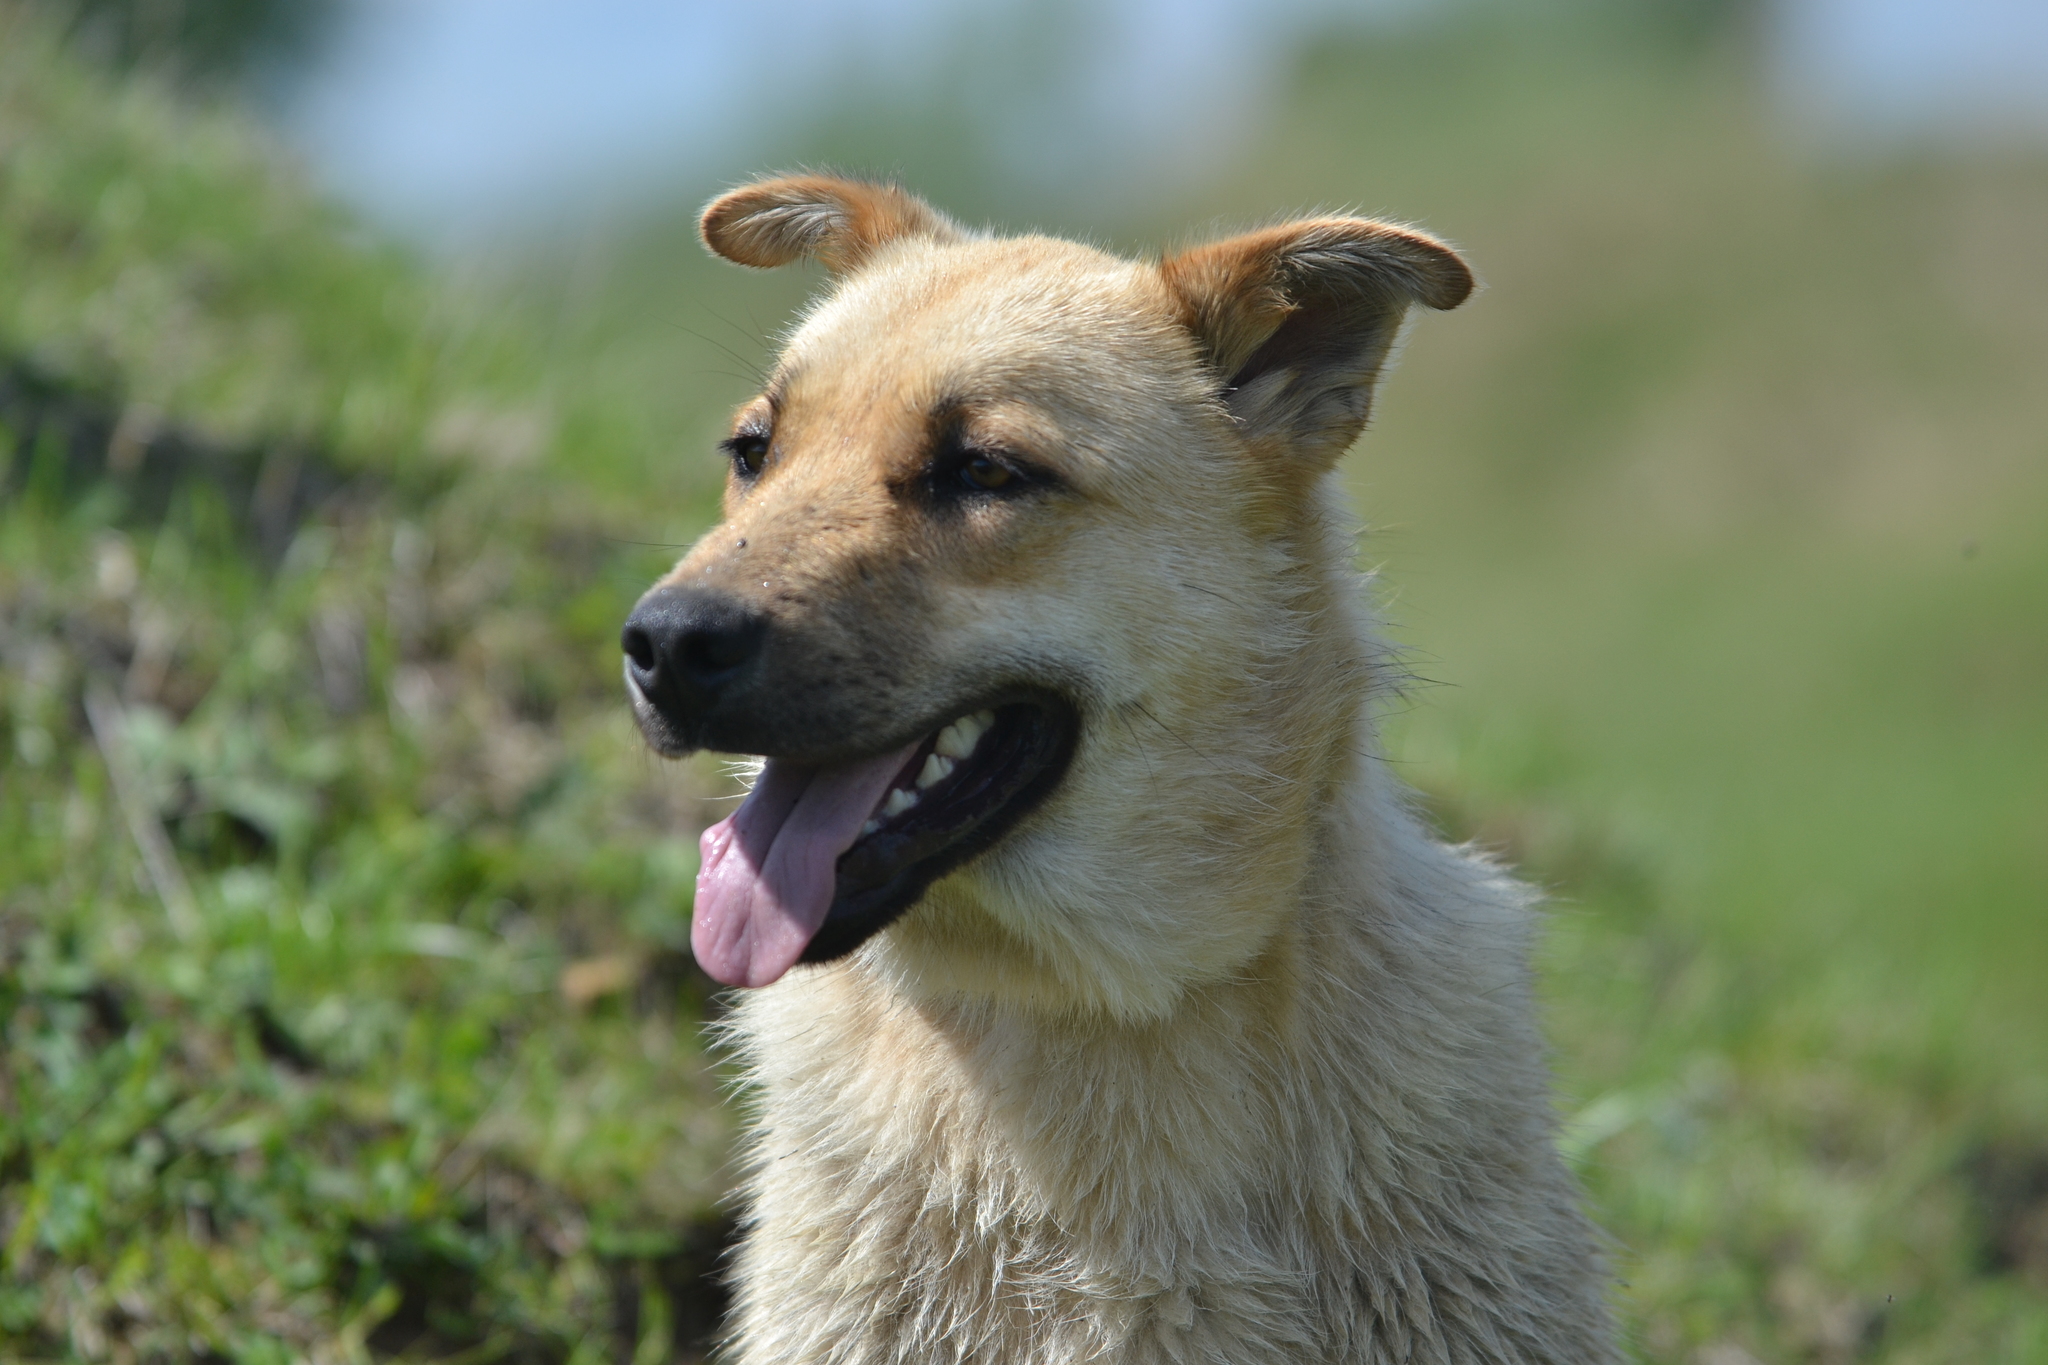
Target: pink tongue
[[766, 878]]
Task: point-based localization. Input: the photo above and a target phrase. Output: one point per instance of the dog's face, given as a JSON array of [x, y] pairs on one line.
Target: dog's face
[[1020, 566]]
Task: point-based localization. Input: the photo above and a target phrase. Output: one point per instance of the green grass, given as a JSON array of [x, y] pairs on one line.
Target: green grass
[[1713, 529], [354, 1107], [1720, 516]]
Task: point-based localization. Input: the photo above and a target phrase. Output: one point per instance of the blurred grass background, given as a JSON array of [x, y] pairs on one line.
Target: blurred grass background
[[343, 922]]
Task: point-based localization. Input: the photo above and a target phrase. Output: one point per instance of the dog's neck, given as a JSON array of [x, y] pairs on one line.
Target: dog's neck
[[1139, 1138]]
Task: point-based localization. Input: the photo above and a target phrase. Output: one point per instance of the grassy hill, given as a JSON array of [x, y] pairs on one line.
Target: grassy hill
[[391, 1045], [1722, 516], [343, 923]]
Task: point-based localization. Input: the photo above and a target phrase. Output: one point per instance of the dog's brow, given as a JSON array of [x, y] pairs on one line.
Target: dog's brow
[[788, 373], [958, 408], [951, 408], [1008, 420]]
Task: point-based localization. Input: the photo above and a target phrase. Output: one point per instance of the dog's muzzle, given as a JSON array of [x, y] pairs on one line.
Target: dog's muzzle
[[853, 816], [686, 651]]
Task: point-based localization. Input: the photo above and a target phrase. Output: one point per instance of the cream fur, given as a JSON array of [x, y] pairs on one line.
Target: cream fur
[[1218, 1056]]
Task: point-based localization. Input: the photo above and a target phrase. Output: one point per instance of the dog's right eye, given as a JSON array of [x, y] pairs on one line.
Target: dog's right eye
[[748, 452]]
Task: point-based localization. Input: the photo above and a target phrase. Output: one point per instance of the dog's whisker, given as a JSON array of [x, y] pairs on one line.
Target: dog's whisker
[[751, 366]]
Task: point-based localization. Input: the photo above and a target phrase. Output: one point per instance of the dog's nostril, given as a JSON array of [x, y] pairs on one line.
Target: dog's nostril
[[639, 646]]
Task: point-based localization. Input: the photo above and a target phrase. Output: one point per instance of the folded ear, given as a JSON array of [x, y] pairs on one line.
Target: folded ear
[[1298, 319], [839, 222]]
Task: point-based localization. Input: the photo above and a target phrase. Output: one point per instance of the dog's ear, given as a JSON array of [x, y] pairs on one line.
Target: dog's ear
[[837, 222], [1298, 320]]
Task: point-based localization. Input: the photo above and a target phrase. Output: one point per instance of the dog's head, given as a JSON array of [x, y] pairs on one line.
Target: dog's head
[[1025, 592]]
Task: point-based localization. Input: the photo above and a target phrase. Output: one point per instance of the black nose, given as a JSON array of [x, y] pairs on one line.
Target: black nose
[[684, 647]]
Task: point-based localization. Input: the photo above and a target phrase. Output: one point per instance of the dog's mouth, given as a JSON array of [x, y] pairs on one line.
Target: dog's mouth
[[817, 860]]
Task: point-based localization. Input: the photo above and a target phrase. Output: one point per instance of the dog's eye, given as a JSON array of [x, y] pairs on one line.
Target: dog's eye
[[984, 474], [966, 475], [748, 451]]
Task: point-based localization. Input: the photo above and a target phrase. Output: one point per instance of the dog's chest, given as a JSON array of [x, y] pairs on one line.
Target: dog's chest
[[922, 1196], [1224, 1188], [944, 1256]]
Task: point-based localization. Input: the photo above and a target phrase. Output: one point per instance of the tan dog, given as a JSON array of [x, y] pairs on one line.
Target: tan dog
[[1151, 1026]]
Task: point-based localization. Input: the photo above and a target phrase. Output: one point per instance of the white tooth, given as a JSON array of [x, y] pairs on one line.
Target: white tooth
[[937, 767], [956, 740], [899, 801], [869, 828]]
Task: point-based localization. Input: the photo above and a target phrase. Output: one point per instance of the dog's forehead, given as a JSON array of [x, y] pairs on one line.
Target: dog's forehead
[[930, 321]]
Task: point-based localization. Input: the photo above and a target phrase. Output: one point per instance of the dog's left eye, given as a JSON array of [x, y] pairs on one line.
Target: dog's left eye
[[985, 474], [966, 474]]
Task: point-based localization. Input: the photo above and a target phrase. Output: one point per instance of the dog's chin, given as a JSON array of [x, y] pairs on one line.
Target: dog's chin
[[939, 815]]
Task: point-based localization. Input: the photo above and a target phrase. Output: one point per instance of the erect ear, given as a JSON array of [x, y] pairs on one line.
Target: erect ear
[[839, 222], [1298, 319]]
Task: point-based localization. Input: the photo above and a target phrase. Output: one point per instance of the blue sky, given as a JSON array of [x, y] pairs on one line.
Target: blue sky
[[1914, 67], [452, 114]]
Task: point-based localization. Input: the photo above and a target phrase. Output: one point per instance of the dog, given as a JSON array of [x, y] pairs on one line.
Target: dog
[[1107, 1000]]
